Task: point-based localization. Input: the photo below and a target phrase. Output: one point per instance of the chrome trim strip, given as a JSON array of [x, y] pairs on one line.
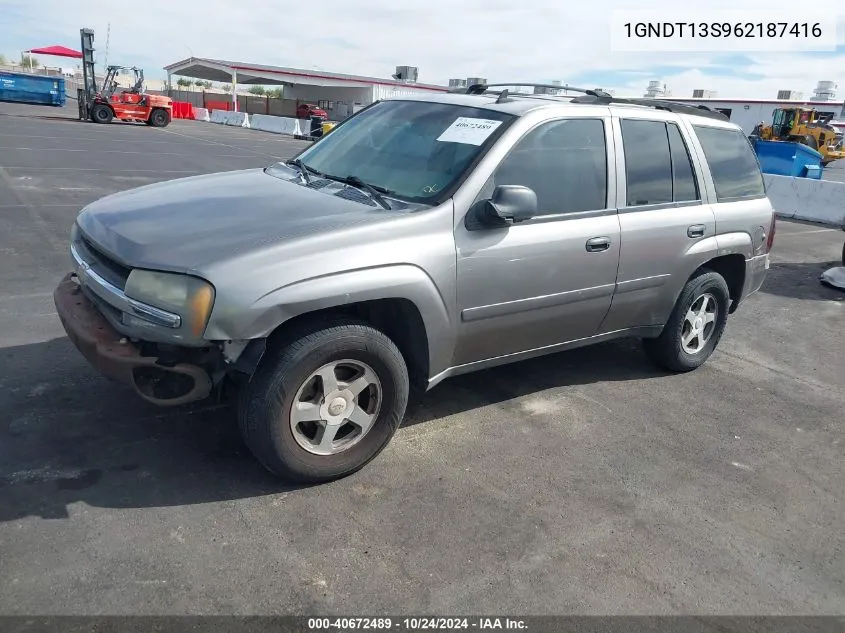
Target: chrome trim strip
[[642, 283], [536, 303], [117, 298]]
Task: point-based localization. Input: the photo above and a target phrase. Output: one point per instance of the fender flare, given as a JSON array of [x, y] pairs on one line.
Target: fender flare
[[401, 281]]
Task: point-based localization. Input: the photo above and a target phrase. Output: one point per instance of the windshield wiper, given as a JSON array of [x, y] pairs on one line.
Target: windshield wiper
[[303, 169], [374, 190]]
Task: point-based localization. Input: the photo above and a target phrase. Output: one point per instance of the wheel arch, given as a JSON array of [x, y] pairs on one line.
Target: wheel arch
[[732, 268], [401, 301]]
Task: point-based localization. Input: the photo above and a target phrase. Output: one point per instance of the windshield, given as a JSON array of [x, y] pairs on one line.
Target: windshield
[[415, 150]]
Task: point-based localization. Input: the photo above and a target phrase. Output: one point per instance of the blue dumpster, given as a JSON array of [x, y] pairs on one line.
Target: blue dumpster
[[788, 159], [37, 89]]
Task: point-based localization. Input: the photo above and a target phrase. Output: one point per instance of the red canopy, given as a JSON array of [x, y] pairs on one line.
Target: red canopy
[[59, 51]]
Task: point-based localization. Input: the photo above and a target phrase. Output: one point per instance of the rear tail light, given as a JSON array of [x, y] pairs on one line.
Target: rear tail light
[[770, 239]]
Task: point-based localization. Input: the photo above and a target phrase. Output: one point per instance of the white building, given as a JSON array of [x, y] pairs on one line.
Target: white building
[[341, 94], [747, 113]]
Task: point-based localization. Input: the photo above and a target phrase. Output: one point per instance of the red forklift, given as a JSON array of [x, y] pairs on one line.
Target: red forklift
[[104, 104]]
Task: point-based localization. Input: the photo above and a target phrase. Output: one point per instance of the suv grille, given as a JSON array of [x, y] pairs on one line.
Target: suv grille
[[108, 268]]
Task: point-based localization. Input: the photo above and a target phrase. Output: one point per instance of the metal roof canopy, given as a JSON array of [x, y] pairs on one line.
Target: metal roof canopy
[[258, 74]]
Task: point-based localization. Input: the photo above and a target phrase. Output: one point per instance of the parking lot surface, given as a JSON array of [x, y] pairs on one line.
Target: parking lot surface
[[585, 482]]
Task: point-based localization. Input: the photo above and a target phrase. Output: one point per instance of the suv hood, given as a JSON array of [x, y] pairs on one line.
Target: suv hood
[[179, 225]]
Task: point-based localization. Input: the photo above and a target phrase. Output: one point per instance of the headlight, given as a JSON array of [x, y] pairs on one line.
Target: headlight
[[190, 297]]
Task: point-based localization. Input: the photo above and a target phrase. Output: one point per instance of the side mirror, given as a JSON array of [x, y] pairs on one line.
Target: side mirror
[[508, 205]]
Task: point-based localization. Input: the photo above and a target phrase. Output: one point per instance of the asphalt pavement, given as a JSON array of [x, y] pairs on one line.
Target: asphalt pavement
[[581, 483]]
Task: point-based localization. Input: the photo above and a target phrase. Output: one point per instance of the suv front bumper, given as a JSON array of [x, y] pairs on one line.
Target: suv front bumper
[[115, 357]]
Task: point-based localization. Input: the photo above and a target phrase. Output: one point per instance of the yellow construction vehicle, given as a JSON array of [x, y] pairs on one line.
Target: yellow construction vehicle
[[802, 125]]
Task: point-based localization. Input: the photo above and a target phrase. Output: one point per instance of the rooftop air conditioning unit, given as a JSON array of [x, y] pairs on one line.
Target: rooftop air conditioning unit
[[656, 89], [825, 91], [408, 74]]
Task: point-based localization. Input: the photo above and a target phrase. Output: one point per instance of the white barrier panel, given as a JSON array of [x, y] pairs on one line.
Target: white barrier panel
[[218, 116], [237, 119], [275, 124], [807, 199], [200, 114]]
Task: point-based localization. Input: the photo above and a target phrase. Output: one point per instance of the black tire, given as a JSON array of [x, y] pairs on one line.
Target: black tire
[[666, 351], [101, 113], [264, 404], [159, 118], [810, 141]]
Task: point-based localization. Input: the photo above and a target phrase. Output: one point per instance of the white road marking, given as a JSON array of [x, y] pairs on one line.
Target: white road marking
[[107, 171], [32, 211], [18, 206], [791, 233], [123, 151], [32, 295], [86, 138], [204, 140]]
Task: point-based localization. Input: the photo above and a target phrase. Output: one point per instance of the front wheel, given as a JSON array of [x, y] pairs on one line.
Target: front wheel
[[695, 325], [101, 113], [323, 405], [159, 118]]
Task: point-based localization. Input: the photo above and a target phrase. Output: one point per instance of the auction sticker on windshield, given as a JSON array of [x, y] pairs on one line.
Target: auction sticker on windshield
[[468, 130]]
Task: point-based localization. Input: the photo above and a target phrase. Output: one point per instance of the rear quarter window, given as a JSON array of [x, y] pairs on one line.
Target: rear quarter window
[[733, 164]]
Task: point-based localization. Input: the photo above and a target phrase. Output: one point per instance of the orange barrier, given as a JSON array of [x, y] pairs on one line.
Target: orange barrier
[[182, 110], [218, 105]]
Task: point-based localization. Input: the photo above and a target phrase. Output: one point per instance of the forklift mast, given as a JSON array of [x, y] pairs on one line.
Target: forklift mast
[[89, 81]]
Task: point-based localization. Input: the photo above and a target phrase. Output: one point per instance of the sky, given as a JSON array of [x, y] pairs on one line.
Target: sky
[[500, 40]]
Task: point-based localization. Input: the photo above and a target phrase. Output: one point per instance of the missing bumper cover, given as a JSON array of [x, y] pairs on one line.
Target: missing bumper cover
[[109, 352]]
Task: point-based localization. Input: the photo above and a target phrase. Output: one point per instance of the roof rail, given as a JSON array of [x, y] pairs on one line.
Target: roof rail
[[478, 89], [658, 104]]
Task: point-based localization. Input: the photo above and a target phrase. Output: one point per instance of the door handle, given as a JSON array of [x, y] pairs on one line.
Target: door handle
[[598, 244], [696, 230]]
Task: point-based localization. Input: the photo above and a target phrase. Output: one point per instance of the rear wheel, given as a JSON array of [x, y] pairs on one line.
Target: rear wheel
[[695, 325], [101, 113], [323, 405], [159, 118]]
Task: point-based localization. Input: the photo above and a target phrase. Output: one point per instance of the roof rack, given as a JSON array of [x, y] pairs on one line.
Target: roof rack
[[478, 89], [658, 104], [598, 97]]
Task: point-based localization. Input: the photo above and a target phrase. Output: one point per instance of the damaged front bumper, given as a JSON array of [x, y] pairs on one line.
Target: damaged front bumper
[[156, 380]]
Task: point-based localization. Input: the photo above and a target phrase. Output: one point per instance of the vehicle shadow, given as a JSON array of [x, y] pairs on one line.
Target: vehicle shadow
[[68, 435], [800, 281]]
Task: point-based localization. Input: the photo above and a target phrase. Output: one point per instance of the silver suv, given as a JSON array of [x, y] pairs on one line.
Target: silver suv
[[422, 238]]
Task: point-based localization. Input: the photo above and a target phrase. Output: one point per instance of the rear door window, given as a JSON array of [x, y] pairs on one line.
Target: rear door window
[[648, 162], [733, 164]]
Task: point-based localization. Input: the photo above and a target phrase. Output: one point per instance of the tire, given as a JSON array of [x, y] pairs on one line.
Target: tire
[[101, 113], [159, 118], [810, 141], [668, 351], [265, 404]]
